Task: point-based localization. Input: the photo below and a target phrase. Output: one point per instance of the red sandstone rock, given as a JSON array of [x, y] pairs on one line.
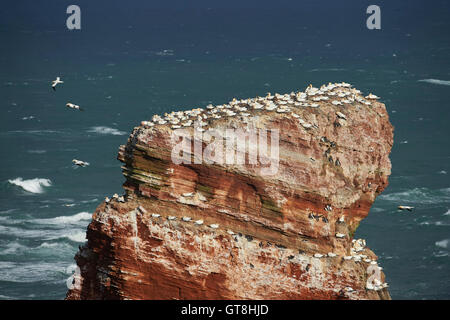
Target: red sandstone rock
[[279, 222]]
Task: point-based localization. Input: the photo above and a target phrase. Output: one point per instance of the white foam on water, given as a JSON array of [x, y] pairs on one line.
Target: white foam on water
[[78, 236], [23, 272], [442, 243], [32, 185], [12, 248], [447, 213], [436, 81], [62, 220], [418, 196], [106, 131]]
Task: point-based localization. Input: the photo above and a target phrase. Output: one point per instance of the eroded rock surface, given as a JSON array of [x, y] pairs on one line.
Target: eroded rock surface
[[226, 231]]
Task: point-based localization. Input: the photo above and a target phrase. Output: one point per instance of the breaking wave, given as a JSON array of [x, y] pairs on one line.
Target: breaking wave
[[106, 130], [436, 81], [62, 220], [35, 185], [442, 243], [419, 196]]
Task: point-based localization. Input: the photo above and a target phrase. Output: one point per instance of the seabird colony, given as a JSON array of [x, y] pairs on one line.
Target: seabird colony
[[339, 94]]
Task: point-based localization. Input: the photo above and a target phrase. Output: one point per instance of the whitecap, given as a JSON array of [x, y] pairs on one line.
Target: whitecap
[[442, 243], [327, 69], [24, 272], [62, 220], [447, 213], [78, 236], [37, 151], [106, 130], [32, 185], [418, 196], [436, 81], [12, 248]]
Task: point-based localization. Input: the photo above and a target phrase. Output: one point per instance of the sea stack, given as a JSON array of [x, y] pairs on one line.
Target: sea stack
[[333, 161]]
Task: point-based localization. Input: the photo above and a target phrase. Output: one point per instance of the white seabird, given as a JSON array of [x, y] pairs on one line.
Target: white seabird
[[199, 222], [372, 96], [188, 194], [332, 254], [80, 163], [73, 106], [405, 208], [186, 219], [155, 215], [56, 82], [214, 226]]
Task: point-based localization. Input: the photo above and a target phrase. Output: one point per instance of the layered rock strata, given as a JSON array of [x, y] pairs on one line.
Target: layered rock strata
[[192, 227]]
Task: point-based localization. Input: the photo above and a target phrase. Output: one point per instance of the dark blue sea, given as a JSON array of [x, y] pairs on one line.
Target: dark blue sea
[[133, 59]]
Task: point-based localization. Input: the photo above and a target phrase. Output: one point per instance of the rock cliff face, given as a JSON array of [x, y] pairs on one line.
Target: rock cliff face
[[218, 230]]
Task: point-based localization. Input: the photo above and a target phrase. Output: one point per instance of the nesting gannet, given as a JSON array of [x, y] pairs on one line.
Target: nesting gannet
[[199, 222], [147, 124], [107, 200], [56, 82], [348, 257], [332, 254], [186, 219], [341, 219], [115, 196], [80, 163], [142, 209], [328, 208], [318, 255], [155, 215], [171, 218], [230, 232], [121, 199], [341, 115], [214, 226], [340, 235], [188, 194], [73, 106], [372, 96], [405, 208]]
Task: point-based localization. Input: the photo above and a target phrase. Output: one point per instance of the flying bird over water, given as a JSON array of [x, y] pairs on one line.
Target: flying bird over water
[[73, 106], [56, 82], [405, 208], [80, 163]]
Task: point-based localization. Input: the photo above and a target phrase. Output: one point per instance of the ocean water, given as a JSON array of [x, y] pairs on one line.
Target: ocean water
[[130, 61]]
